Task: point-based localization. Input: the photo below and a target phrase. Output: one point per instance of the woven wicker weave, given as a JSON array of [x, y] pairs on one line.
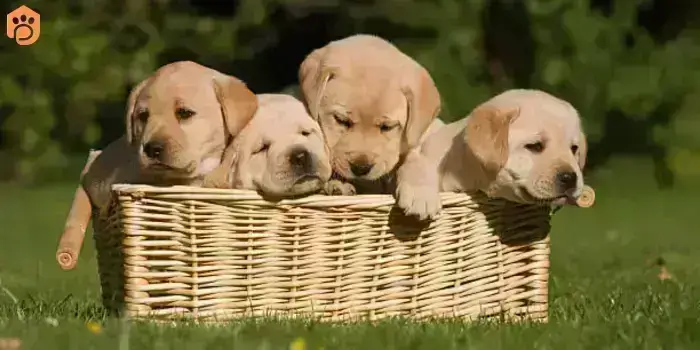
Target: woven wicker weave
[[213, 254]]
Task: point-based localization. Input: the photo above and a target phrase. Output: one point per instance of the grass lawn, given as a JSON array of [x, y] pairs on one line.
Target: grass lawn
[[605, 287]]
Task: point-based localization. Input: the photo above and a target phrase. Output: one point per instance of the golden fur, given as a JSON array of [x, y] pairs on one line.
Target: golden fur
[[280, 153], [185, 111], [373, 102], [526, 146]]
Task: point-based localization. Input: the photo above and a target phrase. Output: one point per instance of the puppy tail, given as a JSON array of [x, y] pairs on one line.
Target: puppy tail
[[71, 240]]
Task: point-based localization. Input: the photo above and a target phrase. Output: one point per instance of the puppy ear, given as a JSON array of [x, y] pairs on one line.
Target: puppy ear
[[423, 106], [313, 78], [582, 151], [238, 103], [131, 134], [487, 136]]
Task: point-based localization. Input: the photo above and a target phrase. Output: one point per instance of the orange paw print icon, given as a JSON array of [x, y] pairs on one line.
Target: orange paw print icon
[[23, 25]]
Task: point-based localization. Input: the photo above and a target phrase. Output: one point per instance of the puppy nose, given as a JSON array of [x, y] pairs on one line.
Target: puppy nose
[[153, 149], [567, 179], [300, 158], [361, 168]]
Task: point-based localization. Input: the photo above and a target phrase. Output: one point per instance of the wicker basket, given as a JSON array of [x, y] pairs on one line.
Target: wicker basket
[[211, 254]]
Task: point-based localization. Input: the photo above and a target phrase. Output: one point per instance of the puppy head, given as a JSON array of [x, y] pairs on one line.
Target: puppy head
[[530, 147], [180, 119], [281, 152], [372, 101]]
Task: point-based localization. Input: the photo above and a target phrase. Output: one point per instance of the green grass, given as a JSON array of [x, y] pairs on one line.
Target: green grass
[[605, 293]]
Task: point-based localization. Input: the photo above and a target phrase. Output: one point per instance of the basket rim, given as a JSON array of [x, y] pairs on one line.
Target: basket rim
[[193, 192]]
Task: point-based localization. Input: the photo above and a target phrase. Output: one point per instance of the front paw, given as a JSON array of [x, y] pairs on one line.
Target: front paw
[[221, 176], [339, 188], [423, 202], [218, 178], [209, 182]]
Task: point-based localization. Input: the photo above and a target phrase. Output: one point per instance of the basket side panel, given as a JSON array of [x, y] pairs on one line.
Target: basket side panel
[[159, 276], [240, 258], [523, 232], [212, 259]]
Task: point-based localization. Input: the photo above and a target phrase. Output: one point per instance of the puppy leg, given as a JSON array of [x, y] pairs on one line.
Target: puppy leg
[[418, 187], [337, 187]]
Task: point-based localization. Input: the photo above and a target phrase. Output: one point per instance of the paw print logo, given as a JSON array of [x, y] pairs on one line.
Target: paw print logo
[[23, 25]]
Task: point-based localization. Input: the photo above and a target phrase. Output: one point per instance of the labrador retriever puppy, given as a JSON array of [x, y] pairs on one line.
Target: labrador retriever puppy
[[178, 123], [280, 153], [525, 146], [373, 102]]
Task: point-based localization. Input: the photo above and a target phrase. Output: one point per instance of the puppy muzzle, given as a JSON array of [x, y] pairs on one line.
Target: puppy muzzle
[[566, 181], [301, 161], [564, 187], [165, 159], [358, 168]]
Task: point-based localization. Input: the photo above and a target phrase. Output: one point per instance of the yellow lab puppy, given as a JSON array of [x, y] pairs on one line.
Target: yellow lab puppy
[[525, 146], [373, 102], [178, 122], [280, 153]]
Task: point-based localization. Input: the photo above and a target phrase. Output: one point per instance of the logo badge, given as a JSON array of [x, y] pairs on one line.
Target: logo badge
[[24, 25]]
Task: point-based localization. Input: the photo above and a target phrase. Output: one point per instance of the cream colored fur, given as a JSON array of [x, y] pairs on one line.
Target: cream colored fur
[[373, 102], [189, 110], [280, 153], [496, 149]]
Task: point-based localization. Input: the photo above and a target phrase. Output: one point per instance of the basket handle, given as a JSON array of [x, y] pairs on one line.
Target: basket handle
[[587, 197], [71, 240]]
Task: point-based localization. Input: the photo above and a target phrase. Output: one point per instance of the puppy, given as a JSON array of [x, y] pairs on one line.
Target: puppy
[[280, 153], [525, 146], [373, 102], [178, 123]]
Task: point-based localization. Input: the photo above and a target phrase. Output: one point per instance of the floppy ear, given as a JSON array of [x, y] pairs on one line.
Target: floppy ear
[[313, 78], [487, 136], [131, 134], [238, 103], [582, 151], [423, 106]]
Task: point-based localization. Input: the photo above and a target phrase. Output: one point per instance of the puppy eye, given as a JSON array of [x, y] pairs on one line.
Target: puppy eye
[[142, 115], [574, 149], [263, 148], [387, 127], [535, 147], [305, 133], [342, 121], [184, 113]]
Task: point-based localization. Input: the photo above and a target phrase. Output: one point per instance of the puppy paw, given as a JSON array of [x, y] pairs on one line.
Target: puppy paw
[[212, 183], [422, 202], [218, 178], [339, 188]]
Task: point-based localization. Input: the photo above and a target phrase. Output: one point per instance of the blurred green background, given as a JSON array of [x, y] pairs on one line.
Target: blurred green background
[[631, 67]]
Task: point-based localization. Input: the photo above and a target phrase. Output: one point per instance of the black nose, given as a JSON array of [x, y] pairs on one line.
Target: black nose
[[361, 168], [567, 180], [153, 149], [300, 158]]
